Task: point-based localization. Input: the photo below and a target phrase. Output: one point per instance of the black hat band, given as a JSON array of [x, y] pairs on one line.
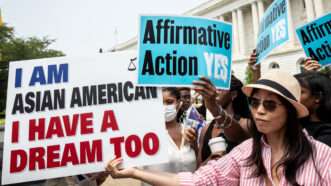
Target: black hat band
[[276, 86]]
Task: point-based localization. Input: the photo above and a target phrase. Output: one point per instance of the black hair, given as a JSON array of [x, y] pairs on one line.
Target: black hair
[[173, 91], [297, 150], [240, 103], [184, 88], [320, 87]]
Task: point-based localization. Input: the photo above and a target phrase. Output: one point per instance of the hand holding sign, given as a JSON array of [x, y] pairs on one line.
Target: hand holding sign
[[311, 65], [60, 123], [315, 38], [113, 169], [206, 88]]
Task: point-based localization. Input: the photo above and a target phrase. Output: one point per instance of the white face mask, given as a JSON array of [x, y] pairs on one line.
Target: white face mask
[[170, 112]]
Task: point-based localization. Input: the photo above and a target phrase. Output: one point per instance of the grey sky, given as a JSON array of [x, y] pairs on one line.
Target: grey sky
[[84, 26]]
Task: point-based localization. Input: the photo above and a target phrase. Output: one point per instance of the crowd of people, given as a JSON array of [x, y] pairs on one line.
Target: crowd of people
[[277, 132]]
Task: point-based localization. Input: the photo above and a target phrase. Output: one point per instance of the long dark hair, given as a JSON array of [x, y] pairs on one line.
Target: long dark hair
[[239, 104], [320, 87], [297, 151]]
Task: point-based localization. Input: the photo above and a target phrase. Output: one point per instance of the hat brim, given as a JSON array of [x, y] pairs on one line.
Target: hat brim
[[302, 111]]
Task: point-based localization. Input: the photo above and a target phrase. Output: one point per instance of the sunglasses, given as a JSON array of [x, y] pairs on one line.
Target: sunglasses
[[269, 105]]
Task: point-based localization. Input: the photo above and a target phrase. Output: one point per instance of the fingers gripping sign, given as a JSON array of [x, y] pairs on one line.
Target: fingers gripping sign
[[209, 92], [113, 169]]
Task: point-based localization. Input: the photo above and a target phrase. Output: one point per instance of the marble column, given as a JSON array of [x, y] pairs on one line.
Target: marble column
[[260, 9], [290, 23], [310, 10], [241, 32], [235, 32], [255, 18]]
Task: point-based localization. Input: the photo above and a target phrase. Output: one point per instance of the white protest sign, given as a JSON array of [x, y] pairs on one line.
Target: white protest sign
[[67, 116]]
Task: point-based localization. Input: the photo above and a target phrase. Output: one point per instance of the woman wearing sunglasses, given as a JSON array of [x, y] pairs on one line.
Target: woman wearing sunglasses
[[279, 152]]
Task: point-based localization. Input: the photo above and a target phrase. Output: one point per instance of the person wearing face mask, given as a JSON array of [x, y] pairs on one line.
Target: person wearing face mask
[[182, 155], [278, 153]]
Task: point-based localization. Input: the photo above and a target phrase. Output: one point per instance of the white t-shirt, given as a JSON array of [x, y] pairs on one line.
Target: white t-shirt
[[180, 159]]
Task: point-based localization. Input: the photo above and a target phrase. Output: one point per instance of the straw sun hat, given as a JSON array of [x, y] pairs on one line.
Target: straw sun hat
[[283, 84]]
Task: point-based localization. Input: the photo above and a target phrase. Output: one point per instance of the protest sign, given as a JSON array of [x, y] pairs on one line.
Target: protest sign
[[315, 38], [273, 30], [176, 50], [67, 116]]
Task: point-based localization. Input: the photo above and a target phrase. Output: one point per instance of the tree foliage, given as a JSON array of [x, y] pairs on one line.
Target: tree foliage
[[248, 75], [14, 48]]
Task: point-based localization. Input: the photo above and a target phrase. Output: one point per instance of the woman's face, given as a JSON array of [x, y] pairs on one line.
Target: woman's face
[[170, 104], [270, 117], [169, 99], [307, 99], [185, 96]]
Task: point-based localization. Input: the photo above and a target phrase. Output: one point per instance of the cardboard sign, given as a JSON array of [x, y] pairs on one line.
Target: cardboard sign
[[273, 30], [315, 38], [68, 116], [176, 50]]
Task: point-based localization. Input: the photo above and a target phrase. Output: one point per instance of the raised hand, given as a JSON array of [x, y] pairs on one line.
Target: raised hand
[[190, 135], [209, 93], [311, 65], [256, 68]]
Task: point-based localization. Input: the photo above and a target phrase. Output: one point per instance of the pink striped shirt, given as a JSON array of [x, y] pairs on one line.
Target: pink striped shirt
[[232, 170]]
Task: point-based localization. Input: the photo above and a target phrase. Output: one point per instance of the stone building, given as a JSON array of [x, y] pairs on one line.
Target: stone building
[[245, 16]]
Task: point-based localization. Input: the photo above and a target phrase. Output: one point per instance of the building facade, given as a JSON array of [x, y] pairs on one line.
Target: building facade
[[245, 16]]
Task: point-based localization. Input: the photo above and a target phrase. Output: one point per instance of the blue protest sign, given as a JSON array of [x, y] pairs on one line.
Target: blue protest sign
[[273, 30], [176, 50], [315, 38]]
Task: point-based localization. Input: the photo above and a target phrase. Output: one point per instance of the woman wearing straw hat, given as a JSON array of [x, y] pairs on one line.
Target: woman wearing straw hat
[[279, 152]]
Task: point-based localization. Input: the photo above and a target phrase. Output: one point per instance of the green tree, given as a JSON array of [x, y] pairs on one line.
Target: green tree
[[248, 75], [13, 48]]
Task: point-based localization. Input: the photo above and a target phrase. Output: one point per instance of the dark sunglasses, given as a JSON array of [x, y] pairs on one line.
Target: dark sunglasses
[[269, 105]]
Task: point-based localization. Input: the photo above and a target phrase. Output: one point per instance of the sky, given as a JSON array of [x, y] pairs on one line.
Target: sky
[[84, 26]]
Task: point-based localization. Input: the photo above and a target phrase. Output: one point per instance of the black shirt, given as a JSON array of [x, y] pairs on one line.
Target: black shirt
[[321, 131]]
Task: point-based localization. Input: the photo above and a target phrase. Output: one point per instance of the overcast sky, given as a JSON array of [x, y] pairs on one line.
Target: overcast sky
[[84, 26]]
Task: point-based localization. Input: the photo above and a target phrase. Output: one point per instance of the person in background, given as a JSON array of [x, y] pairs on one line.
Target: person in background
[[182, 155], [235, 115], [185, 97], [279, 152], [316, 96], [186, 102]]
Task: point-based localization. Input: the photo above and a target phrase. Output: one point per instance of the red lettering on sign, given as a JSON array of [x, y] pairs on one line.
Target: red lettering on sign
[[54, 128], [60, 126], [16, 155], [14, 132], [117, 145], [70, 129], [134, 145], [69, 155], [131, 141], [51, 156], [86, 126], [36, 128], [151, 148], [36, 157], [109, 121]]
